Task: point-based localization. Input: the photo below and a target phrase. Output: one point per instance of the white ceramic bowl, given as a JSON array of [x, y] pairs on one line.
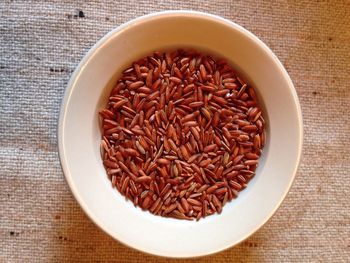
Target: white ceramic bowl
[[79, 134]]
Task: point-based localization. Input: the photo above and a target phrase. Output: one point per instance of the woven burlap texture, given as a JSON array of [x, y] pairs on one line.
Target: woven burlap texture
[[41, 43]]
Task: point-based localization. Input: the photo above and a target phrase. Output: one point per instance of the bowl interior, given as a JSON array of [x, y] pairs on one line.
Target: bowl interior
[[79, 134]]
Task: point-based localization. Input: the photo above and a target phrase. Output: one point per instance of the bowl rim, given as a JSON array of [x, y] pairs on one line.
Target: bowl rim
[[124, 26]]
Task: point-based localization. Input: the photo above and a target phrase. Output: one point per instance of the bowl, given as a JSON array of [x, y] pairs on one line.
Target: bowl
[[79, 134]]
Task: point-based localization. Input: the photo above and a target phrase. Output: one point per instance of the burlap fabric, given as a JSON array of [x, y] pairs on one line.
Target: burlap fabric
[[41, 42]]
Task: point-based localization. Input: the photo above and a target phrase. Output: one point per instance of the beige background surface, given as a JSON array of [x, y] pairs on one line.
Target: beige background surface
[[41, 43]]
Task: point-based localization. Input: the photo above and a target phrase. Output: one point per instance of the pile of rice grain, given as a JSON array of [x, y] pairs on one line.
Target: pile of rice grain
[[182, 134]]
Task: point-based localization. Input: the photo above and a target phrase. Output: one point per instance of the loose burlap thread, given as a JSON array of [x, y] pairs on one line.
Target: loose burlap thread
[[41, 42]]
